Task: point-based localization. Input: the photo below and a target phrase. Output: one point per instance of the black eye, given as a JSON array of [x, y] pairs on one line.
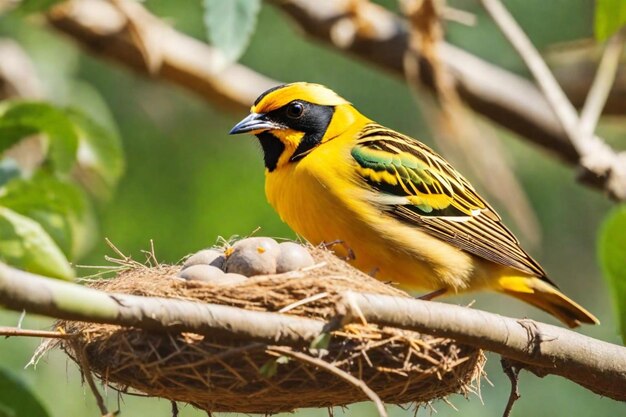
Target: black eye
[[295, 110]]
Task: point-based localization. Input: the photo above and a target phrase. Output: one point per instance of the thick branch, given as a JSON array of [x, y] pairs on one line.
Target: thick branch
[[544, 349], [158, 51], [380, 37], [594, 364], [24, 291]]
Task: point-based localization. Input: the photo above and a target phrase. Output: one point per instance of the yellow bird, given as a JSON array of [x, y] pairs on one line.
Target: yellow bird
[[399, 208]]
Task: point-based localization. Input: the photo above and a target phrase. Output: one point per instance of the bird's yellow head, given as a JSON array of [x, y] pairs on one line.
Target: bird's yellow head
[[292, 120]]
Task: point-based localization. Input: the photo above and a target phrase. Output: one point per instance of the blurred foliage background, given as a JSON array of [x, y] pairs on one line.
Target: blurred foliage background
[[187, 182]]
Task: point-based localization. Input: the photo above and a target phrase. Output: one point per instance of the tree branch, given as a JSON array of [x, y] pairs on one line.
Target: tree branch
[[133, 37], [21, 290], [512, 372], [544, 349], [575, 70], [142, 42], [604, 167], [16, 331], [598, 366], [602, 84], [381, 38]]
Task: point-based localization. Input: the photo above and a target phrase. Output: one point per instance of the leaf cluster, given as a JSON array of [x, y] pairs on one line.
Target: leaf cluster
[[47, 216]]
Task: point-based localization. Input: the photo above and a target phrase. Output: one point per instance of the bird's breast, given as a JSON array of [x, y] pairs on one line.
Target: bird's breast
[[322, 200], [308, 194]]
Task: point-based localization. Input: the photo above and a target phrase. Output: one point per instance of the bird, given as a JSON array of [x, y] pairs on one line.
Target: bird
[[398, 209]]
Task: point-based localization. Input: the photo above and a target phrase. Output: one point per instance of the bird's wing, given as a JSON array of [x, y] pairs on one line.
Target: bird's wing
[[419, 187]]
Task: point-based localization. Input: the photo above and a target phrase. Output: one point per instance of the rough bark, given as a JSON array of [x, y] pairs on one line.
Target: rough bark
[[544, 349]]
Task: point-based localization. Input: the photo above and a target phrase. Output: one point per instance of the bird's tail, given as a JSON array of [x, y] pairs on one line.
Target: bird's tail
[[542, 295]]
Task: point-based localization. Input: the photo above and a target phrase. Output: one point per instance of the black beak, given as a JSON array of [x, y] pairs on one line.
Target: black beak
[[254, 122]]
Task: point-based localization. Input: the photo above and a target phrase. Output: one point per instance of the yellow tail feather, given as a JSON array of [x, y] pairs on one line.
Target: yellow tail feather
[[544, 296]]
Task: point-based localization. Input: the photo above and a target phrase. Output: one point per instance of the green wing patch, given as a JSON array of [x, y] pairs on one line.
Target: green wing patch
[[418, 187], [400, 166]]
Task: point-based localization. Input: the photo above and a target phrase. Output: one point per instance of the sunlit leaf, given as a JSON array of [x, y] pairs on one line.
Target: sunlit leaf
[[230, 24], [18, 400], [283, 360], [610, 17], [21, 119], [26, 245], [101, 160], [612, 248], [59, 206], [321, 341]]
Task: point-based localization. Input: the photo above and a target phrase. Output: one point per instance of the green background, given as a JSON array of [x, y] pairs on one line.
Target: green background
[[188, 182]]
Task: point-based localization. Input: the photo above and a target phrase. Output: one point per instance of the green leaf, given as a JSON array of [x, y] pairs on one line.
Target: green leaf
[[10, 134], [269, 368], [610, 17], [34, 6], [25, 244], [283, 360], [612, 253], [101, 158], [230, 24], [321, 341], [59, 206], [16, 399], [21, 119]]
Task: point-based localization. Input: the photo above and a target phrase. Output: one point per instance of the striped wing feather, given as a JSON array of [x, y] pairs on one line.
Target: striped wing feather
[[420, 188]]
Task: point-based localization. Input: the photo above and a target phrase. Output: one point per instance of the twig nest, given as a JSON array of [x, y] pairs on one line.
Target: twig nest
[[219, 374], [292, 256]]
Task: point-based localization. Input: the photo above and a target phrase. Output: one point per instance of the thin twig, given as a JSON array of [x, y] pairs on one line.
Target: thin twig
[[460, 16], [602, 83], [16, 331], [559, 102], [303, 301], [21, 319], [86, 370], [380, 406], [116, 250], [607, 168], [512, 372]]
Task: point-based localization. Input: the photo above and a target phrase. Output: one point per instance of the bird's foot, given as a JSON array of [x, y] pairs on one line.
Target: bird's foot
[[350, 255]]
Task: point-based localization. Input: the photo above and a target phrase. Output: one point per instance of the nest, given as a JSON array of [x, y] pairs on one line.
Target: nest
[[218, 374]]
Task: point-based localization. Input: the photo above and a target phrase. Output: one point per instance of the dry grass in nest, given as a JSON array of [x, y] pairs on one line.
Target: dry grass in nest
[[217, 374]]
